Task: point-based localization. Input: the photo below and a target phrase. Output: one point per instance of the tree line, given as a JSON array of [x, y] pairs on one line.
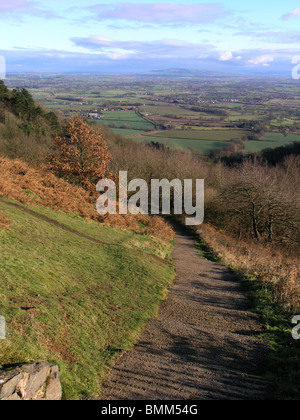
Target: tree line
[[34, 118]]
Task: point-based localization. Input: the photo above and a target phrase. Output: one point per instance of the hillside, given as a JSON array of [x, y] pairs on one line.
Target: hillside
[[74, 292], [26, 128], [76, 288]]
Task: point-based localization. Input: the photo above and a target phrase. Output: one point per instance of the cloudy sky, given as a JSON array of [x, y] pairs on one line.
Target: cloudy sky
[[261, 36]]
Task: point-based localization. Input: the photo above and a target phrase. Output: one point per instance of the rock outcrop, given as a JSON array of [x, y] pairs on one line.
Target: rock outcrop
[[35, 381]]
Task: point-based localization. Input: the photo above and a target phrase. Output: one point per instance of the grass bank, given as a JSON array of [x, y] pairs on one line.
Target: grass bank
[[76, 293]]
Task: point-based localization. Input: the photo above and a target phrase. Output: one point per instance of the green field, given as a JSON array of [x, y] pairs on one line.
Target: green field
[[127, 120], [222, 135], [204, 141], [271, 140], [237, 117], [203, 146], [74, 302], [217, 109], [208, 140], [127, 132], [171, 111], [141, 125], [285, 122], [122, 116]]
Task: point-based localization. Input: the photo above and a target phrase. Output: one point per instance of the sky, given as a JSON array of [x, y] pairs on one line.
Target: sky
[[91, 36]]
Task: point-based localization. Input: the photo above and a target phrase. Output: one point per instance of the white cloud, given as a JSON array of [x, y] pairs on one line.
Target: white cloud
[[226, 56], [264, 60], [118, 56], [103, 40]]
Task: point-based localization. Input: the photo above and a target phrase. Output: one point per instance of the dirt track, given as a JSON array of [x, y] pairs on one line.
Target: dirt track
[[203, 345]]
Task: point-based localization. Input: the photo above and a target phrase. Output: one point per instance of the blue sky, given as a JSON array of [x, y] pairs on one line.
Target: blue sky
[[131, 36]]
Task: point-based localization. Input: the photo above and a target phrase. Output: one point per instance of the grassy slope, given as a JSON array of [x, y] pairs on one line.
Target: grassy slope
[[72, 301]]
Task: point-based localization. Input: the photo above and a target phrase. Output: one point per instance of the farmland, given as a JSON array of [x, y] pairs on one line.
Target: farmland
[[219, 115], [271, 140]]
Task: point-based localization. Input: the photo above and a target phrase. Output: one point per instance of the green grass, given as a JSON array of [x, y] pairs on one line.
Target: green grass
[[128, 120], [284, 122], [206, 135], [72, 301], [127, 132], [282, 366], [170, 110], [228, 105], [237, 117], [141, 125], [122, 116], [205, 141], [271, 140], [202, 146]]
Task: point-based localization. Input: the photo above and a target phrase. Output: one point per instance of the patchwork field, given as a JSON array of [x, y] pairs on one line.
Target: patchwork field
[[194, 112]]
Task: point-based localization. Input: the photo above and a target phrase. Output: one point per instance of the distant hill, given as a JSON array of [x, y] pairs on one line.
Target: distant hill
[[178, 72]]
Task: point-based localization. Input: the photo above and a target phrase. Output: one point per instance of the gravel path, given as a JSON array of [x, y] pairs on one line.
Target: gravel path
[[202, 346]]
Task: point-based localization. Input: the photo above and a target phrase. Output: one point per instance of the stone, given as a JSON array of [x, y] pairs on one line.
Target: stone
[[40, 394], [13, 397], [38, 374], [54, 390], [34, 381], [8, 382], [21, 387]]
